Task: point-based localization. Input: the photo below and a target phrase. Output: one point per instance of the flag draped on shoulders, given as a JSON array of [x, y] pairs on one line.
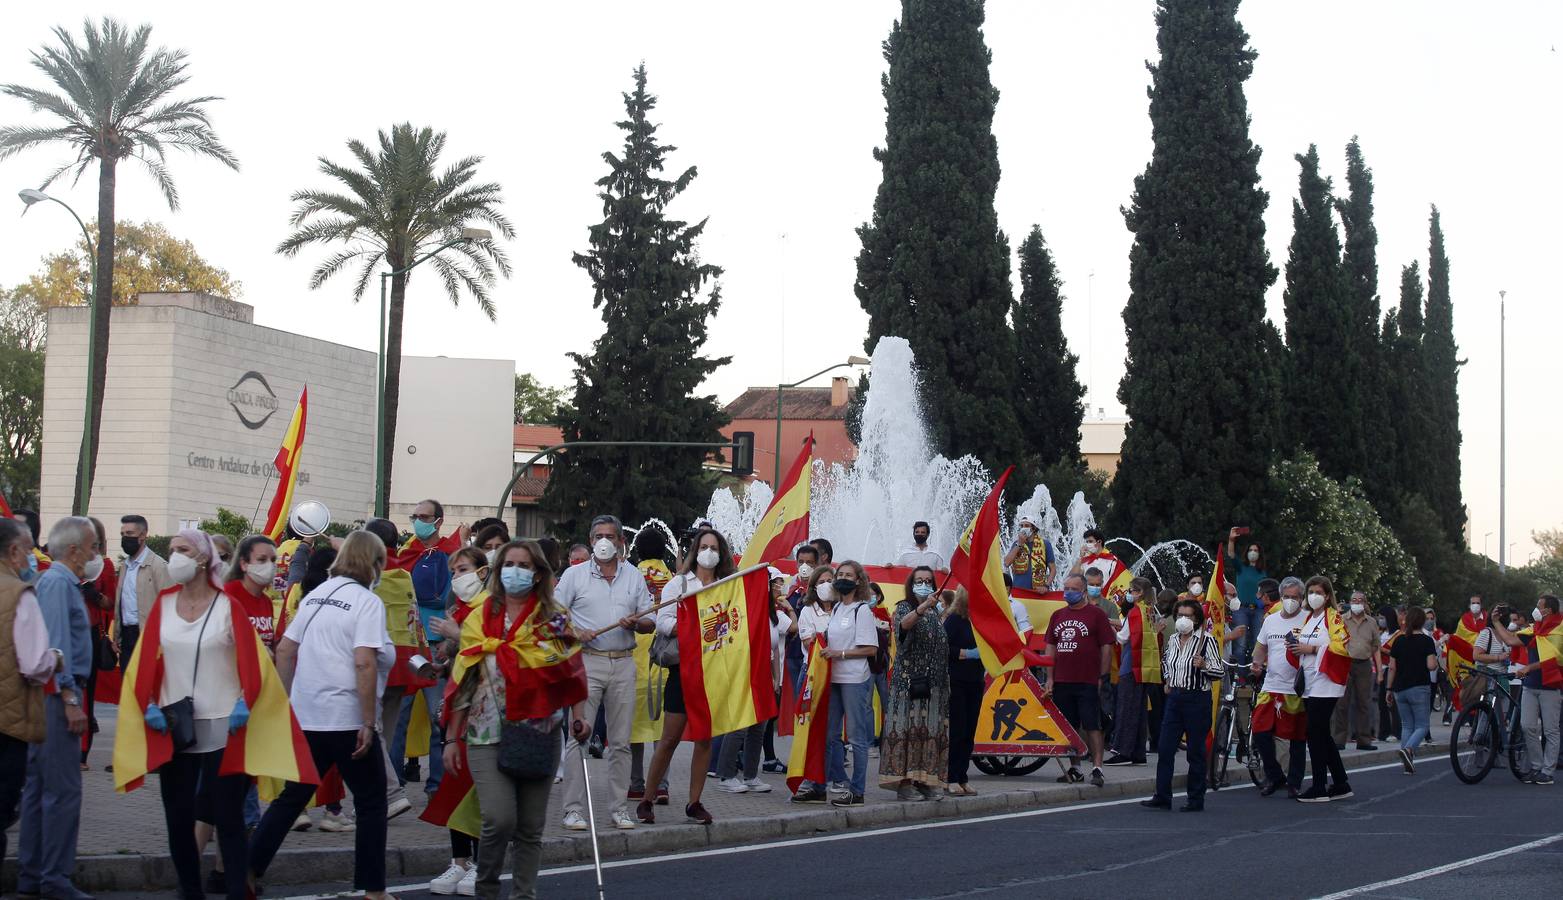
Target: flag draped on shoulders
[[724, 651], [1144, 645], [286, 464], [1548, 634], [269, 745], [1334, 661], [785, 524], [539, 660], [806, 761], [978, 565]]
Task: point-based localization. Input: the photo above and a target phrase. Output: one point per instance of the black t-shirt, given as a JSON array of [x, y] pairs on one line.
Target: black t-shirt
[[1410, 654]]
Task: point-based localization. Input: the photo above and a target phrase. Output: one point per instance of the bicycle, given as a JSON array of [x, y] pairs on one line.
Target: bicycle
[[1478, 733], [1234, 731]]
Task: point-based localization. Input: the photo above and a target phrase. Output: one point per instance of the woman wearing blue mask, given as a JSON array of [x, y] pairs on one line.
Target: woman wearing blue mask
[[915, 751]]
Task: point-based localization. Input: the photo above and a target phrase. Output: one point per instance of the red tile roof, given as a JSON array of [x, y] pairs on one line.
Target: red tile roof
[[537, 436], [808, 403]]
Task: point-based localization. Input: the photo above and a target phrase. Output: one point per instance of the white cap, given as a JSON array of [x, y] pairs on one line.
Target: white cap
[[309, 518], [775, 573]]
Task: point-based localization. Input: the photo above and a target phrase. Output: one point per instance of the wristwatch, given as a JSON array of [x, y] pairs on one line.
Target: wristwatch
[[72, 700]]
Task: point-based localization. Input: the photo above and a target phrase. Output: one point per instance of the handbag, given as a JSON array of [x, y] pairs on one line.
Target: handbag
[[180, 715], [525, 752], [104, 656], [919, 687], [664, 650]]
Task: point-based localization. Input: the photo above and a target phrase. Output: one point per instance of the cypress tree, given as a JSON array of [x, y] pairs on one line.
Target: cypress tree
[[1359, 265], [1048, 393], [1323, 375], [1406, 389], [1441, 364], [1198, 382], [639, 383], [934, 267]]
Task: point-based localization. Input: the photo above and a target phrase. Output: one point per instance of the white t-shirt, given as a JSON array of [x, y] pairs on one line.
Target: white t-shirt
[[1315, 632], [851, 625], [1022, 615], [335, 619], [914, 557], [215, 688], [812, 619], [1280, 674]]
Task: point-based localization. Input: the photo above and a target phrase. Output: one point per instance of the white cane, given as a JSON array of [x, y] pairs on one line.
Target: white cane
[[591, 817]]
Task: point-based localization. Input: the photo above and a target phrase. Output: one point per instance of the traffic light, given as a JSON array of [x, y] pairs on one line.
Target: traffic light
[[743, 453]]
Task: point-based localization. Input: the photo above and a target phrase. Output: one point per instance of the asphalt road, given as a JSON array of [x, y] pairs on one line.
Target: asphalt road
[[1422, 836]]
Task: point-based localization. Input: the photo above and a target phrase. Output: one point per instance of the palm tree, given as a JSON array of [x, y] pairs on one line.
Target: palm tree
[[396, 210], [111, 101]]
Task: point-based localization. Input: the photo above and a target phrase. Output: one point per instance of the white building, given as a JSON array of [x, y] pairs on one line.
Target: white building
[[198, 398]]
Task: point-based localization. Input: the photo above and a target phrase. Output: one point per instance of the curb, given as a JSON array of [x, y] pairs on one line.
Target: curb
[[131, 872]]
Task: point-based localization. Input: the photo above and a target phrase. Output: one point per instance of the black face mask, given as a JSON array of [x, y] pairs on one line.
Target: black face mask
[[844, 588], [919, 539], [131, 545]]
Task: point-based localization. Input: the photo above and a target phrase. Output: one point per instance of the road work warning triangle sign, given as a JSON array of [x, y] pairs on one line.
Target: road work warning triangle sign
[[1017, 721]]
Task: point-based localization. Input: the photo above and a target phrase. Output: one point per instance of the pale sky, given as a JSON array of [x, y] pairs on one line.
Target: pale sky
[[780, 107]]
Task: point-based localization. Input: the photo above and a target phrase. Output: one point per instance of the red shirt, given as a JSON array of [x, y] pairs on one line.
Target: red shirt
[[1078, 636], [259, 609]]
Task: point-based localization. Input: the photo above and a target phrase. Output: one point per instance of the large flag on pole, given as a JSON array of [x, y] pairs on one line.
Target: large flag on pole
[[724, 652], [785, 524], [286, 464], [978, 564]]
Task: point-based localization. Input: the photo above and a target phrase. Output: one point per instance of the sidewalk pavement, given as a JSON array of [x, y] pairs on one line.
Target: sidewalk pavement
[[123, 842]]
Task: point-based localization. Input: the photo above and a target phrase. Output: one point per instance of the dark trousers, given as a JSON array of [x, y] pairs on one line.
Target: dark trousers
[[1388, 713], [965, 704], [190, 781], [1353, 716], [13, 774], [1186, 717], [462, 845], [128, 635], [87, 706], [1321, 744], [365, 778], [1126, 724], [1158, 698], [1264, 742]]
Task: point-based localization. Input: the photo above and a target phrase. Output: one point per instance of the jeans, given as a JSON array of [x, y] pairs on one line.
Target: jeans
[[746, 742], [855, 702], [1321, 744], [13, 774], [965, 706], [1416, 708], [1539, 714], [51, 808], [1186, 717], [363, 777], [432, 695], [1253, 617], [191, 789], [514, 810]]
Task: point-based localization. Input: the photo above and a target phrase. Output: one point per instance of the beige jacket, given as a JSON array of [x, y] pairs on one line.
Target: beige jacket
[[151, 579]]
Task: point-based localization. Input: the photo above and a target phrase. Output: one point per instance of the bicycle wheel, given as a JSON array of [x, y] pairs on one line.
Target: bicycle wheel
[[1519, 758], [1473, 744], [1248, 755], [1221, 750], [989, 765], [1023, 765]]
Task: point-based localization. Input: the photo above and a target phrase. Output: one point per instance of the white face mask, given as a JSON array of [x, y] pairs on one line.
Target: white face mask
[[466, 585], [1315, 601], [805, 570], [1253, 556], [1196, 589], [94, 568], [1536, 615], [1289, 605], [1184, 624], [604, 550], [1357, 609], [707, 558], [1091, 548], [1234, 604], [182, 568], [261, 573], [490, 554], [1476, 609], [824, 591]]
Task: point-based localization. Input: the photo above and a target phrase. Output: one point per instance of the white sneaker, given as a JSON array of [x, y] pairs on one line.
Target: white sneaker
[[733, 785], [574, 821], [622, 820], [756, 786], [469, 882], [446, 883], [338, 822], [840, 787], [397, 807], [302, 823]]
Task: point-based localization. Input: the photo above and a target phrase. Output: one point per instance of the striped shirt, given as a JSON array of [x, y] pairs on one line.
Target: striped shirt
[[1177, 662]]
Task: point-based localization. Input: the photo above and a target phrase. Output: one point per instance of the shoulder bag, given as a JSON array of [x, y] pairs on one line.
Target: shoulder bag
[[180, 715], [525, 753], [664, 647]]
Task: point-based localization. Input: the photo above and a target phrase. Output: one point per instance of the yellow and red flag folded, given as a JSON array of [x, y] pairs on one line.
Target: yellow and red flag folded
[[1144, 644], [978, 564], [286, 464], [1282, 714], [1115, 575], [455, 803], [1334, 661], [1215, 605], [1549, 650], [724, 651], [806, 762], [1461, 649], [270, 745], [785, 524], [540, 662]]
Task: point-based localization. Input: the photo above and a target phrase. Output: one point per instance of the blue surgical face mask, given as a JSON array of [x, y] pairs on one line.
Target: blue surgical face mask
[[1073, 597], [517, 581], [30, 571], [922, 590], [424, 530], [1095, 590]]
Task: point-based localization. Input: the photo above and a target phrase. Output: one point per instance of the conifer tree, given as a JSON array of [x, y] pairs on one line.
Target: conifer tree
[[1048, 393], [1441, 364], [1406, 390], [1197, 386], [640, 381], [1359, 264], [934, 267], [1323, 372]]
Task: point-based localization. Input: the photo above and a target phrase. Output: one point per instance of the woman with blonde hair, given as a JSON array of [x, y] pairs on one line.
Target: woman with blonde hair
[[519, 669]]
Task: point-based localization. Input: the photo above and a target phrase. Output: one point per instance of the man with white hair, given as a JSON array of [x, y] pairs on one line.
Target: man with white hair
[[51, 801]]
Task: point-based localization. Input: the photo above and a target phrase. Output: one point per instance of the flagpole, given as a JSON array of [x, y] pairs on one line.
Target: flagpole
[[591, 636], [262, 499]]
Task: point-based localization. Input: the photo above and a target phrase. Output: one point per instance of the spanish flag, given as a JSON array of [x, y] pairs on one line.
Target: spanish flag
[[806, 761], [1549, 650], [1461, 649], [1115, 575], [1215, 604], [271, 744], [5, 508], [978, 564], [540, 661], [455, 803], [286, 464], [785, 524], [1144, 644], [1334, 662], [408, 555], [724, 651]]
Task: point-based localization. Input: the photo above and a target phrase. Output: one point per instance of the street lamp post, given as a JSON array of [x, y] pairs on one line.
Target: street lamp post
[[84, 462], [851, 361], [1487, 542], [467, 234], [1502, 433]]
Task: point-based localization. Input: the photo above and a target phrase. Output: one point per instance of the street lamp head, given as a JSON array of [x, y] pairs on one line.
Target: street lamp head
[[476, 234], [32, 195], [858, 361]]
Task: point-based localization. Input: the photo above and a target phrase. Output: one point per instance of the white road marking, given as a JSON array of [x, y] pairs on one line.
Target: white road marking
[[1439, 870]]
